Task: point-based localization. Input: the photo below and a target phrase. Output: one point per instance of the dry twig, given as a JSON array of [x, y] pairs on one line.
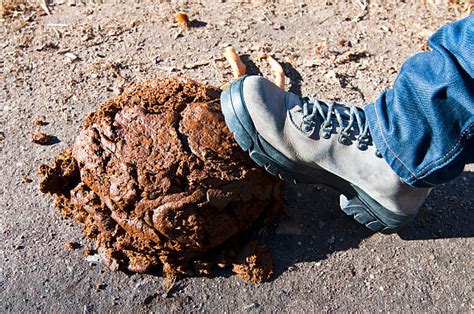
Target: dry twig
[[44, 5], [238, 67], [196, 64], [277, 70], [168, 285], [365, 9], [182, 20]]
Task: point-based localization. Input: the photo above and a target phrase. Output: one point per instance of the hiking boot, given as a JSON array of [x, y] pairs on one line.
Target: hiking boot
[[310, 141]]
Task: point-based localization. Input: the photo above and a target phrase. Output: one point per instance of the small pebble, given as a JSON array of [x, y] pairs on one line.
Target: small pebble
[[87, 251], [100, 286], [26, 180], [250, 306], [71, 57], [40, 121], [93, 258], [42, 138], [72, 245]]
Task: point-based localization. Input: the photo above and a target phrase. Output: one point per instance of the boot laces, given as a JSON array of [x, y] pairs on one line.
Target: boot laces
[[313, 110]]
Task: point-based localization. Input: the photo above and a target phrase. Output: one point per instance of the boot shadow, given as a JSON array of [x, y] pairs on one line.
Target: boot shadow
[[314, 228], [252, 68], [447, 213], [295, 77], [290, 72]]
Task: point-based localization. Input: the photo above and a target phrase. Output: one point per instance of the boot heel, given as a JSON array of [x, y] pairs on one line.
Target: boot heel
[[361, 213]]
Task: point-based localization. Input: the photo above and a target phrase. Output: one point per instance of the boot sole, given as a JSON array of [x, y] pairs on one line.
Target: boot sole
[[354, 201]]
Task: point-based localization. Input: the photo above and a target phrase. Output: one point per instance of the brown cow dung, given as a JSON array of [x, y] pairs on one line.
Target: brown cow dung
[[158, 182]]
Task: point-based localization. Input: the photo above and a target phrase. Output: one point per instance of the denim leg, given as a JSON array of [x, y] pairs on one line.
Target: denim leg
[[424, 126]]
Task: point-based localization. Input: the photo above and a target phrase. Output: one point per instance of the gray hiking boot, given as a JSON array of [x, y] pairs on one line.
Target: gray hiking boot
[[310, 141]]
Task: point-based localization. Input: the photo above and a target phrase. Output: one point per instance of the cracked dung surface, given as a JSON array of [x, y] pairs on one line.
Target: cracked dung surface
[[157, 180]]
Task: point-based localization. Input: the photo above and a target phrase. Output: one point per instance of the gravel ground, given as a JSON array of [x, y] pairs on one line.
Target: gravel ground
[[62, 66]]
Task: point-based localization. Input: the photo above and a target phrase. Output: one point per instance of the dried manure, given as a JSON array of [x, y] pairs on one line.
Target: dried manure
[[158, 182]]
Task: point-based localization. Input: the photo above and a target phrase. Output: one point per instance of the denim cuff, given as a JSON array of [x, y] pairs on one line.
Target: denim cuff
[[436, 172], [393, 160]]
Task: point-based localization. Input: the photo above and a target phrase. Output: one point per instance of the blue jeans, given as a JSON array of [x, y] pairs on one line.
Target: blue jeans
[[424, 126]]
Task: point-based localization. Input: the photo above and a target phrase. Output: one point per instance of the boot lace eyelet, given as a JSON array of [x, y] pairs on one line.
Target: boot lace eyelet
[[349, 119], [344, 138], [326, 129]]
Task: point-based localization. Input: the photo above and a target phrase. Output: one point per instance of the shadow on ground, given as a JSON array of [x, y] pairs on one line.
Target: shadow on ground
[[448, 212], [197, 23], [315, 226], [295, 77], [252, 68]]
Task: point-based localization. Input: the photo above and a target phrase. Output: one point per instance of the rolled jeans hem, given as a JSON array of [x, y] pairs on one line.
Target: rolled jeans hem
[[415, 178]]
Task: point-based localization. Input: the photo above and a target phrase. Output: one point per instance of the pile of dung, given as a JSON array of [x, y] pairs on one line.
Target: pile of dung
[[158, 182]]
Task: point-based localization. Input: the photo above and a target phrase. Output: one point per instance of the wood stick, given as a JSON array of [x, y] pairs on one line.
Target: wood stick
[[182, 20], [238, 67], [44, 5], [277, 70]]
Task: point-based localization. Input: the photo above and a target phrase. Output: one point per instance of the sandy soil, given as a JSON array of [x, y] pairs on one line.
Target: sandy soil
[[62, 66]]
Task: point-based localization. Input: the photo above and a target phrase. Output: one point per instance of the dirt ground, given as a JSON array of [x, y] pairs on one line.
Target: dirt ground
[[62, 66]]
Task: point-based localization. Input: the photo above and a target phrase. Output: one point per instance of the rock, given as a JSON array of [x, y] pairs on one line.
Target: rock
[[72, 245], [40, 121], [70, 57], [93, 259], [250, 306], [42, 138]]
